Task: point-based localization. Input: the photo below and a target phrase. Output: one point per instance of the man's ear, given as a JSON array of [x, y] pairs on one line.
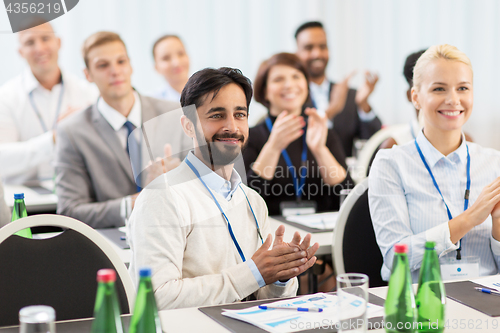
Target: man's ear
[[188, 126]]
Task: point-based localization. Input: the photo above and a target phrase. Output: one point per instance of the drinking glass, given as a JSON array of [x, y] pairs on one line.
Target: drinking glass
[[352, 292]]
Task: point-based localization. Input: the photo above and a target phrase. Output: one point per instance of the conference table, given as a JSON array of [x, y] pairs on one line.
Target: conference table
[[461, 318], [39, 198]]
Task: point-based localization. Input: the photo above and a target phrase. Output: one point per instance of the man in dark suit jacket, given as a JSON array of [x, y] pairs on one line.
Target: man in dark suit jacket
[[349, 112], [100, 157]]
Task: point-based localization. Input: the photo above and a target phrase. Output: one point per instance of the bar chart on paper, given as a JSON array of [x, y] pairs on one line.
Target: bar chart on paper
[[18, 15]]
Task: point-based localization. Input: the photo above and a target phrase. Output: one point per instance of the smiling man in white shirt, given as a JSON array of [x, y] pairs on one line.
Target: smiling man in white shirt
[[32, 104]]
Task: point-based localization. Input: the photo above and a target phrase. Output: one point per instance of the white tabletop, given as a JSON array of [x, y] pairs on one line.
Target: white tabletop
[[459, 317], [324, 239], [34, 201]]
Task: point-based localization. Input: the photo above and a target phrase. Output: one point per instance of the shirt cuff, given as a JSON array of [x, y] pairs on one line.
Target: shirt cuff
[[281, 284], [366, 117], [441, 236], [495, 246], [256, 274]]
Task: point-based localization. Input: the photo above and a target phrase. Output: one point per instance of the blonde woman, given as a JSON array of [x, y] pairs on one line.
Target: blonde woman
[[439, 187]]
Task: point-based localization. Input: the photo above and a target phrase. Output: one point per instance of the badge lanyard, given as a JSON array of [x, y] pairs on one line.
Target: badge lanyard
[[59, 103], [298, 183], [223, 214], [467, 190]]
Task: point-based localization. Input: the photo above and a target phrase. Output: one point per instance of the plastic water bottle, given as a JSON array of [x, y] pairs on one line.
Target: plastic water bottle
[[145, 318], [431, 296], [107, 309], [400, 309], [19, 212]]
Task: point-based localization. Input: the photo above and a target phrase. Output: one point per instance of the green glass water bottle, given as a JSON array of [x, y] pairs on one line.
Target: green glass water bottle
[[431, 296], [19, 212], [400, 309], [107, 309], [145, 318]]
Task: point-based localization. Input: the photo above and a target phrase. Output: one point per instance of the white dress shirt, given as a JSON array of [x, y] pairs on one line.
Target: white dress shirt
[[168, 93], [117, 121], [26, 149], [406, 207], [320, 94]]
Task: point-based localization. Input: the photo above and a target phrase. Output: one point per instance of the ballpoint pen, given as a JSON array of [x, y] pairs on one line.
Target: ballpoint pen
[[487, 291], [265, 307]]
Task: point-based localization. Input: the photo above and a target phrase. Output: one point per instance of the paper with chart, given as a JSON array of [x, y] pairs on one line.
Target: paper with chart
[[317, 221], [491, 282], [287, 320]]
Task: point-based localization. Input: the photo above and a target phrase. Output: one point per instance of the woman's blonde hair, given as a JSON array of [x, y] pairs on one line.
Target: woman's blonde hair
[[443, 51]]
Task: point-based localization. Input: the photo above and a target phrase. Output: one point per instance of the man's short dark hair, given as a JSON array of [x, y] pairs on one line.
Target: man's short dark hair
[[307, 25], [410, 62], [210, 80]]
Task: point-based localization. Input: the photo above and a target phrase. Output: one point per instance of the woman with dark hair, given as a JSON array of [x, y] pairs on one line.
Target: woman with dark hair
[[292, 156]]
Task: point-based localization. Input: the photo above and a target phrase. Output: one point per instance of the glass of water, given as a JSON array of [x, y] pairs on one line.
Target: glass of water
[[37, 319], [352, 292]]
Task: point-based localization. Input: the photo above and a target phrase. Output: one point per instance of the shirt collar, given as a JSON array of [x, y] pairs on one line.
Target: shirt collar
[[116, 119], [30, 81], [432, 155], [324, 87], [213, 180]]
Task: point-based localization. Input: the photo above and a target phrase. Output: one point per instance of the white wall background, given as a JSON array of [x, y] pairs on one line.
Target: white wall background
[[362, 34]]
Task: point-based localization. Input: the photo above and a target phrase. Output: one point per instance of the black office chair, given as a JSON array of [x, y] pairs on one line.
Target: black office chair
[[354, 248], [58, 271]]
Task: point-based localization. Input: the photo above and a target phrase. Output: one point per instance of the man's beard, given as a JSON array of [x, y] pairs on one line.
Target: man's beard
[[316, 72], [216, 152]]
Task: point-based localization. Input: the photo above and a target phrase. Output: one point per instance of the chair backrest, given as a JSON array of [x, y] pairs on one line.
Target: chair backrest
[[59, 271], [371, 147], [355, 248]]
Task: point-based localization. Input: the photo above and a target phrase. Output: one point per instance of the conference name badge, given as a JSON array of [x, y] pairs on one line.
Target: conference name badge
[[465, 268]]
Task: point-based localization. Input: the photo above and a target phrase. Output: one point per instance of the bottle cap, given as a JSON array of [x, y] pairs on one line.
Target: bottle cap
[[18, 196], [430, 245], [145, 272], [106, 275], [401, 248]]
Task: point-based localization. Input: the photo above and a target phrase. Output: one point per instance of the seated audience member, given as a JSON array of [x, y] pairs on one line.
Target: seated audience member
[[33, 103], [172, 62], [409, 133], [5, 214], [95, 180], [348, 110], [206, 235], [439, 187], [292, 155]]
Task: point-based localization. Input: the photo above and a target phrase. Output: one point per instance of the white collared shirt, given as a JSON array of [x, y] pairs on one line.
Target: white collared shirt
[[26, 150], [406, 207], [215, 182], [116, 120], [168, 93]]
